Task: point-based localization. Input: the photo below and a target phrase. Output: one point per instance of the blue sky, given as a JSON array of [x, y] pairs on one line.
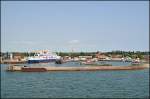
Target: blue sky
[[74, 25]]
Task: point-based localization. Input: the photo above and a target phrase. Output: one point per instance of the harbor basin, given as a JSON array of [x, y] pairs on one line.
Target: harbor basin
[[80, 84]]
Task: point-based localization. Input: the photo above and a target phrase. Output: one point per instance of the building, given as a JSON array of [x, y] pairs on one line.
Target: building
[[100, 56], [147, 58], [85, 57]]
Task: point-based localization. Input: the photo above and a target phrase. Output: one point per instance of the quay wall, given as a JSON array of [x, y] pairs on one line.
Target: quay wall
[[87, 68]]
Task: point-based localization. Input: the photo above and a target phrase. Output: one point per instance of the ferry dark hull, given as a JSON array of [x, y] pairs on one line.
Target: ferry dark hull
[[41, 61]]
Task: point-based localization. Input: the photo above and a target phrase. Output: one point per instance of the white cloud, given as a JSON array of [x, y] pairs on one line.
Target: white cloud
[[74, 42]]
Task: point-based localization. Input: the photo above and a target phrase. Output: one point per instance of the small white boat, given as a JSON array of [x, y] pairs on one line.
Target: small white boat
[[136, 62]]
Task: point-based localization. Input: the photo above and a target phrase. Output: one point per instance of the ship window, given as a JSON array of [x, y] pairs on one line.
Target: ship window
[[36, 55]]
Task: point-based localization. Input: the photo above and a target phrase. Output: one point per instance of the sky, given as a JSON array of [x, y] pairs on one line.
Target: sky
[[74, 25]]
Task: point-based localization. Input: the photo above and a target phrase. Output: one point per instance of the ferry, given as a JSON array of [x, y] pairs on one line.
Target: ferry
[[43, 57]]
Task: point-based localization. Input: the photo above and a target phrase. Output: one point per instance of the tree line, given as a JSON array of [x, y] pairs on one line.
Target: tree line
[[132, 54]]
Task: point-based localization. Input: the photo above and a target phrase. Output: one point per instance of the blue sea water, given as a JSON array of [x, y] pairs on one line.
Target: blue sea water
[[75, 84]]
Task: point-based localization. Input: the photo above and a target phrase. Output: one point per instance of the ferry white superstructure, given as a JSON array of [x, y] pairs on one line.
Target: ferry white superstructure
[[43, 56]]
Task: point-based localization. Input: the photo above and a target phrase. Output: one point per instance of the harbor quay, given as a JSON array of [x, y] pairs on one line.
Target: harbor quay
[[90, 60], [86, 68]]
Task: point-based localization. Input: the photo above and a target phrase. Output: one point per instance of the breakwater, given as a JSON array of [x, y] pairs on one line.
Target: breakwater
[[85, 68]]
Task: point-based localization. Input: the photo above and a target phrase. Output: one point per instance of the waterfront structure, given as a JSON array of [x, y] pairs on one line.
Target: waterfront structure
[[74, 68]]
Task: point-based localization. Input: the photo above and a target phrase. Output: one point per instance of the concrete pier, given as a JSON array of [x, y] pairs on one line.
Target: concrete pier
[[86, 68], [13, 62]]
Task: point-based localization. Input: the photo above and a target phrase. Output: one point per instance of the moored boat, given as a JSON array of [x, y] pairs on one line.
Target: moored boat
[[43, 57], [136, 62]]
